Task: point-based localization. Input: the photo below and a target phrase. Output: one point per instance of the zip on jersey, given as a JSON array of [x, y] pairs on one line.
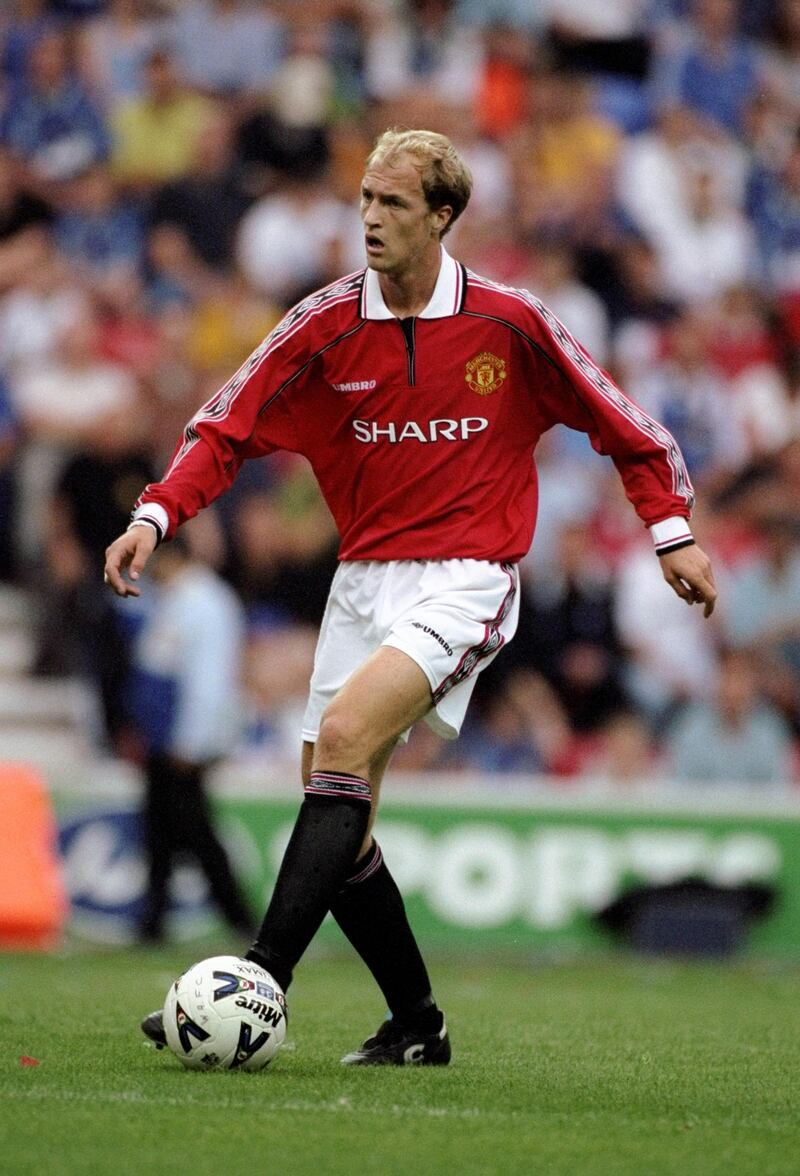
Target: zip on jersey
[[409, 329]]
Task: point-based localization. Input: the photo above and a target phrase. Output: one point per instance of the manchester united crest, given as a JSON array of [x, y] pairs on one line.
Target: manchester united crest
[[485, 373]]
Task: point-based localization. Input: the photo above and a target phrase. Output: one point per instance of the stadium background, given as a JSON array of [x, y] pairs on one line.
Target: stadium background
[[173, 176]]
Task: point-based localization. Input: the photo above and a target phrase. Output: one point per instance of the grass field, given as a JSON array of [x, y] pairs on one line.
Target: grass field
[[612, 1066]]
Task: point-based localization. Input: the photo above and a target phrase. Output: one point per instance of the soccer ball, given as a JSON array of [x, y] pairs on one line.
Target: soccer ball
[[225, 1013]]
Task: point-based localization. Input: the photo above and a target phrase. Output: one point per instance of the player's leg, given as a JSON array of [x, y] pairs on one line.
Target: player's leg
[[159, 844], [378, 702], [377, 768], [153, 1024], [201, 840], [370, 911], [464, 614]]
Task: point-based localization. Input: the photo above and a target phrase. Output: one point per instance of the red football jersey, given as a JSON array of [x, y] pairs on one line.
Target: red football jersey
[[421, 432]]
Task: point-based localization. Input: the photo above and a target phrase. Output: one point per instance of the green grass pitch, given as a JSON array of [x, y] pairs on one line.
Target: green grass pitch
[[609, 1066]]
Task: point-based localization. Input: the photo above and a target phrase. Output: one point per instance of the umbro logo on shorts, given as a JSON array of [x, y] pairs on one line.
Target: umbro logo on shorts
[[436, 636]]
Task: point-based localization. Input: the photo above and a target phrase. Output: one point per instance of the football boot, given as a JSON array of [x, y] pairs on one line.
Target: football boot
[[153, 1027], [397, 1044]]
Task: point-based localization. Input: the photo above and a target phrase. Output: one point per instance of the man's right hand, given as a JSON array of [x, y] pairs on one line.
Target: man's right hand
[[129, 553]]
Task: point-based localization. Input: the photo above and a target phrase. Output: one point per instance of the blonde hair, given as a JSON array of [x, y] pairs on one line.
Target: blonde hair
[[446, 179]]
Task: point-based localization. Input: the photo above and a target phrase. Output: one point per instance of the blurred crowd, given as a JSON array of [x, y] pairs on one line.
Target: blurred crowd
[[174, 175]]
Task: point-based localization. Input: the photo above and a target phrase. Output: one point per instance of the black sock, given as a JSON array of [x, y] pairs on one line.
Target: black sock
[[327, 836], [370, 911]]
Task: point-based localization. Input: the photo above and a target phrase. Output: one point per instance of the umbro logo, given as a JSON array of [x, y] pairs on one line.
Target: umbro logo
[[357, 386], [414, 1054], [436, 636]]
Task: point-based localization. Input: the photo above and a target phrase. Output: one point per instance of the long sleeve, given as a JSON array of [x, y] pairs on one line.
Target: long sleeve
[[251, 415], [247, 417], [579, 394]]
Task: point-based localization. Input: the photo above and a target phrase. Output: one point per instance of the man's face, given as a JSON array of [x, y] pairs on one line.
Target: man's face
[[398, 224]]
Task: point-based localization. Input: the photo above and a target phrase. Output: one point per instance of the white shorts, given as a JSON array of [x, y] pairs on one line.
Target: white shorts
[[450, 616]]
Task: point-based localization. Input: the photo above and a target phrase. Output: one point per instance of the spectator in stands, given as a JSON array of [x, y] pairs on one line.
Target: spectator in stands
[[501, 96], [49, 119], [712, 69], [43, 303], [682, 188], [782, 65], [297, 239], [563, 156], [669, 657], [61, 402], [287, 129], [176, 276], [24, 218], [773, 203], [623, 756], [283, 541], [568, 630], [115, 46], [736, 738], [555, 281], [278, 660], [227, 48], [422, 55], [73, 392], [20, 29], [493, 192], [99, 233], [207, 203], [346, 51], [638, 308], [762, 611], [713, 249], [225, 325], [519, 725], [745, 349], [690, 397], [9, 443], [609, 41], [504, 737], [87, 507], [185, 700], [155, 135]]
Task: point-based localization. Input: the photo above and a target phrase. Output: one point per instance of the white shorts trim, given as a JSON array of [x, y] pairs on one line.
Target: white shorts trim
[[449, 616]]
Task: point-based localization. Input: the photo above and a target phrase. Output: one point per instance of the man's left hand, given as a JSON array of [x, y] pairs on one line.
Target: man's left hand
[[688, 572]]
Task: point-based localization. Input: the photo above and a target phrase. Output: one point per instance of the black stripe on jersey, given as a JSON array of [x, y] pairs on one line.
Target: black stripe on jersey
[[350, 284], [463, 298], [518, 331], [628, 409], [308, 363], [300, 370], [219, 405], [681, 483]]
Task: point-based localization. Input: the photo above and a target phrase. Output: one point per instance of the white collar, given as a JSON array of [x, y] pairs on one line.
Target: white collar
[[445, 300]]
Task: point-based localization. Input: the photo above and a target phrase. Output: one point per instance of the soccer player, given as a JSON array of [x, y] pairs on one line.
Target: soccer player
[[418, 391]]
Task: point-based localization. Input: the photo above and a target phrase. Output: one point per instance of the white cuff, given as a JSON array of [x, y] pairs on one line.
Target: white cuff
[[155, 515], [671, 533]]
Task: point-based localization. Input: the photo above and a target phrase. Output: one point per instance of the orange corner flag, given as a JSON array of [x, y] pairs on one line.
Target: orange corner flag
[[33, 904]]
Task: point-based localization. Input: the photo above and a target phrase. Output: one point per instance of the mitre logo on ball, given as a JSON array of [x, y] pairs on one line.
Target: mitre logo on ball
[[485, 373]]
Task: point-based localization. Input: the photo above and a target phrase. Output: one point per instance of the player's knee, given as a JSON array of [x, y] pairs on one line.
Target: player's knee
[[342, 741]]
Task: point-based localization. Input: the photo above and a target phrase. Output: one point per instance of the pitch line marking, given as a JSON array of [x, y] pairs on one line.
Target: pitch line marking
[[302, 1105]]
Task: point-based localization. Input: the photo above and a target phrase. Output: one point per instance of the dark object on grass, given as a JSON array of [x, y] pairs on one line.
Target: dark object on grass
[[688, 918]]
